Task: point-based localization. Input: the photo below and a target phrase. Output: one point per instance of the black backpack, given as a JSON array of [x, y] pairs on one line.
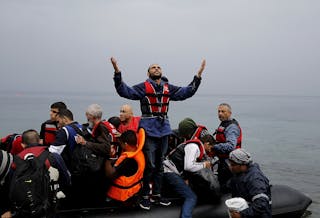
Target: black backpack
[[206, 185], [30, 190], [84, 161]]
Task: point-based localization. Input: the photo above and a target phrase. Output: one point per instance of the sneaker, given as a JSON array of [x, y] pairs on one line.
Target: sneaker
[[145, 203], [157, 199]]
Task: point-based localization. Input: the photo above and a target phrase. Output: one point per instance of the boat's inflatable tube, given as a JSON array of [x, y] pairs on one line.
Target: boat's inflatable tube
[[286, 202]]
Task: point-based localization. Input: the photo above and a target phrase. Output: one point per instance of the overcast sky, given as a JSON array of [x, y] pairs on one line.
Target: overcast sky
[[251, 47]]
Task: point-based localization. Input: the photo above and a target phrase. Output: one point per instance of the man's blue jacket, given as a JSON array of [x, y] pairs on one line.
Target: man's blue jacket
[[155, 126], [254, 187]]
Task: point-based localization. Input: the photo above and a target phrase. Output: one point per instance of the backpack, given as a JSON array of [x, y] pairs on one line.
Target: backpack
[[206, 185], [84, 161], [30, 190]]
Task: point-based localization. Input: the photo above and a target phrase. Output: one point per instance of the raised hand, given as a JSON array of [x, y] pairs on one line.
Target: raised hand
[[203, 65], [115, 65]]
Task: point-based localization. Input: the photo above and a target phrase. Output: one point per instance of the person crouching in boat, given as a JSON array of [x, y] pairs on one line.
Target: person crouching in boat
[[127, 172], [186, 158], [175, 139], [250, 183]]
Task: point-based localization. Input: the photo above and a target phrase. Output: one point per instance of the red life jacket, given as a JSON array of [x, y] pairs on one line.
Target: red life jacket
[[34, 150], [156, 106], [200, 145], [177, 155], [125, 187], [12, 143], [197, 133], [220, 137], [50, 130], [112, 130], [133, 125]]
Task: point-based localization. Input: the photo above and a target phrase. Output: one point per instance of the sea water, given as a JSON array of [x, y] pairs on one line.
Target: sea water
[[281, 132]]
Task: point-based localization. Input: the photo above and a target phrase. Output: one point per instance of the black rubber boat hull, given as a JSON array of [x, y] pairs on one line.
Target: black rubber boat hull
[[286, 202]]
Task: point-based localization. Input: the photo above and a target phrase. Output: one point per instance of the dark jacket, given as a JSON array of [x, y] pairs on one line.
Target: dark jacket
[[254, 187], [5, 177], [4, 195], [102, 141]]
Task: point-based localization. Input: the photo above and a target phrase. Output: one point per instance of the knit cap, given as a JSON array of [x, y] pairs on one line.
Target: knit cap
[[5, 163], [240, 156], [187, 127]]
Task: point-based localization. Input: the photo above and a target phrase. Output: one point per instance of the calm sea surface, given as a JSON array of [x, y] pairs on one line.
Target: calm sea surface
[[281, 132]]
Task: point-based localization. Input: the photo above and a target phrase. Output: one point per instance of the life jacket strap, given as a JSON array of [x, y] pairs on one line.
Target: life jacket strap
[[127, 187]]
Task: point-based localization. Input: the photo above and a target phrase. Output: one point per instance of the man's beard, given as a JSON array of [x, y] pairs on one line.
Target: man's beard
[[155, 77]]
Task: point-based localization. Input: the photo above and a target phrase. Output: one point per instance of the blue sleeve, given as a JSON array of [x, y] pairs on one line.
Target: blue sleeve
[[136, 92], [260, 205], [181, 93], [232, 132], [61, 138]]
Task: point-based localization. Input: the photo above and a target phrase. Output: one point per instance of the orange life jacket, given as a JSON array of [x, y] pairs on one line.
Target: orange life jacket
[[125, 187]]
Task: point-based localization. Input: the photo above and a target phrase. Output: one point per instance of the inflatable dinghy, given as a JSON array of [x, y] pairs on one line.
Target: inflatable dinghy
[[286, 203]]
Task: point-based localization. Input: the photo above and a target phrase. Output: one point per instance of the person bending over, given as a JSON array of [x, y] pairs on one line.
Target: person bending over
[[250, 183]]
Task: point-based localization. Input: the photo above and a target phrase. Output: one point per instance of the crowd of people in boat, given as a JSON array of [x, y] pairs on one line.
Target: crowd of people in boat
[[127, 159]]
